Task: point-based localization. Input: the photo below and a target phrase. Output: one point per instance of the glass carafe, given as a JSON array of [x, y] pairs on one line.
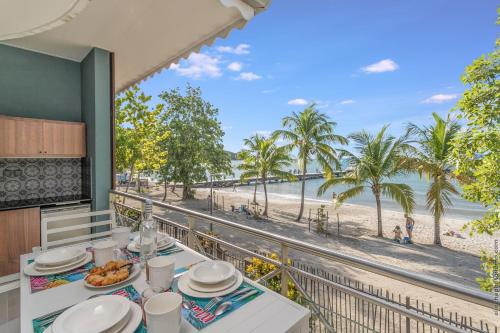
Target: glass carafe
[[149, 229]]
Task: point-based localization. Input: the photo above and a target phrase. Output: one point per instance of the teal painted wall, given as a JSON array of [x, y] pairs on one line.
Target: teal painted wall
[[36, 85], [95, 76]]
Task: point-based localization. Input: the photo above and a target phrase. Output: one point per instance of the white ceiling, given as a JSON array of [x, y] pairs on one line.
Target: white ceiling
[[145, 35]]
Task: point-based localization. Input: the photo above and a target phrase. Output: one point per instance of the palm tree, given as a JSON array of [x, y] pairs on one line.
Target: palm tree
[[270, 160], [311, 133], [379, 159], [433, 160], [252, 152]]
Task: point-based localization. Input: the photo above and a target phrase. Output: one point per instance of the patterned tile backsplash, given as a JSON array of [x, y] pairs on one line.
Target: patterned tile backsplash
[[27, 179]]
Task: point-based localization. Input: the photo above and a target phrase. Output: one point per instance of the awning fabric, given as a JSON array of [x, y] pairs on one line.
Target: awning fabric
[[145, 36]]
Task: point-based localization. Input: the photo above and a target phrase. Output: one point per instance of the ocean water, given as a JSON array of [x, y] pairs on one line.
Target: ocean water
[[461, 208]]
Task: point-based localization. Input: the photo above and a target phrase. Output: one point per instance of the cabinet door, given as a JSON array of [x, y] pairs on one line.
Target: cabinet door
[[63, 139], [19, 232], [20, 137]]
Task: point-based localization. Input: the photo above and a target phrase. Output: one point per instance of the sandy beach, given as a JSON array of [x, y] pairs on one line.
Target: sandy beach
[[456, 261], [361, 221]]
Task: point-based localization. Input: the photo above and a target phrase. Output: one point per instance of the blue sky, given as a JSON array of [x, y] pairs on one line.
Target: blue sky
[[365, 63]]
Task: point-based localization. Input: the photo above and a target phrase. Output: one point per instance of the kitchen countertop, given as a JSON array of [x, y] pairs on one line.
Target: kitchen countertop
[[42, 202]]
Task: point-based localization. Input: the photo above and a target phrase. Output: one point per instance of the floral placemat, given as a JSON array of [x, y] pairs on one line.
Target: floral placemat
[[200, 318], [40, 283], [42, 323]]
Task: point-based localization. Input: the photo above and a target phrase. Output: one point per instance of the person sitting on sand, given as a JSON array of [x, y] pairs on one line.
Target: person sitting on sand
[[398, 234], [409, 226]]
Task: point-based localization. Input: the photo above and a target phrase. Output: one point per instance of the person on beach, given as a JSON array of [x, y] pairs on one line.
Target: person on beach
[[398, 234], [410, 222]]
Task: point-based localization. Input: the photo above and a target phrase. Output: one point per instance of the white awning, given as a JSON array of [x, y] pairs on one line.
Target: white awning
[[146, 36]]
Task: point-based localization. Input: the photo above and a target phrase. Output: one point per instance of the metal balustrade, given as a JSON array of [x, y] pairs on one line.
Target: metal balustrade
[[336, 304]]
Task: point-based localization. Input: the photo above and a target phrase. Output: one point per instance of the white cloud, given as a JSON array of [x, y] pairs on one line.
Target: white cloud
[[264, 133], [297, 101], [336, 111], [386, 65], [239, 49], [270, 91], [248, 76], [198, 65], [235, 66], [347, 102], [322, 104], [440, 98]]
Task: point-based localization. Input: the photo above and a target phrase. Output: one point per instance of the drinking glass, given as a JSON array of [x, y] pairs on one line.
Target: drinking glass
[[37, 250], [150, 292]]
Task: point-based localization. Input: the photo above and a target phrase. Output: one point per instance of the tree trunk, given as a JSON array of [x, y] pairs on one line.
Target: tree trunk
[[302, 193], [130, 178], [166, 190], [186, 192], [437, 230], [129, 181], [255, 192], [265, 195], [379, 215], [173, 187], [138, 182]]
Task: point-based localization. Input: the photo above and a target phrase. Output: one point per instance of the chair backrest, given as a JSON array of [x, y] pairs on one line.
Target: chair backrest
[[80, 228]]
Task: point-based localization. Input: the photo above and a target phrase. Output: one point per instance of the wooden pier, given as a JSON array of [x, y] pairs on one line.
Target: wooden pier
[[236, 181]]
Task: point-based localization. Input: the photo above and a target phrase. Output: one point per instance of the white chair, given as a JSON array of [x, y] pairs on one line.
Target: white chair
[[83, 230]]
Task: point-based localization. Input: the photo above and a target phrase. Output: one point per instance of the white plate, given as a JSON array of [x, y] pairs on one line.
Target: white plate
[[210, 288], [136, 270], [94, 315], [183, 285], [160, 238], [31, 270], [211, 272], [132, 247], [134, 320], [60, 256], [51, 268]]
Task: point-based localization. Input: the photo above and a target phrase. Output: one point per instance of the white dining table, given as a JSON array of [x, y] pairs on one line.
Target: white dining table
[[269, 312]]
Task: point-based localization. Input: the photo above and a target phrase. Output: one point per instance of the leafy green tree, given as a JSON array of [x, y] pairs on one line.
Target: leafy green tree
[[379, 159], [195, 142], [312, 134], [433, 160], [476, 150], [268, 160], [250, 155], [138, 133]]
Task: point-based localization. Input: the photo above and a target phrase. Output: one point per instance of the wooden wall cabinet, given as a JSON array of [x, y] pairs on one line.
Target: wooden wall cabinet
[[19, 233], [26, 137]]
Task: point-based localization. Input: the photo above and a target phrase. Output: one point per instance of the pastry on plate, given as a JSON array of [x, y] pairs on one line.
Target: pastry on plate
[[111, 273]]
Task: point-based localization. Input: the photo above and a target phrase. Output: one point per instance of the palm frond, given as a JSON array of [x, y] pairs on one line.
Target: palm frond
[[329, 182], [350, 193], [401, 193]]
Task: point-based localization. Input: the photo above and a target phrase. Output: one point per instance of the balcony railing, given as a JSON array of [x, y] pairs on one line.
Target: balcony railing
[[337, 304]]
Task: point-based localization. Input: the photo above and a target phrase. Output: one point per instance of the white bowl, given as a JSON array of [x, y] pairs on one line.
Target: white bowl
[[161, 239], [60, 256], [43, 268], [95, 315], [183, 285], [211, 272], [212, 288], [134, 320]]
